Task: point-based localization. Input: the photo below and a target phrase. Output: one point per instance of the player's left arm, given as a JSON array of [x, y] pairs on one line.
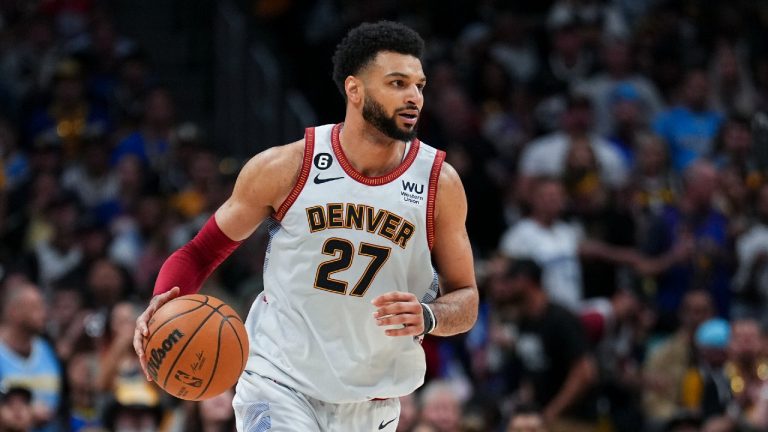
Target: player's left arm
[[456, 308]]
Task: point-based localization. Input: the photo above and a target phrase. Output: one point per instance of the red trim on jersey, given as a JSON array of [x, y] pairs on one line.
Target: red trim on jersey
[[306, 164], [371, 181], [434, 177]]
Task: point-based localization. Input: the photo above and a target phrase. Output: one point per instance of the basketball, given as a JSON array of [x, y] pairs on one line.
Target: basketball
[[197, 347]]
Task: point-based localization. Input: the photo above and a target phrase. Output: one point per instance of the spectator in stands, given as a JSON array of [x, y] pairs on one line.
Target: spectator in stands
[[28, 218], [567, 60], [136, 402], [604, 220], [665, 367], [56, 256], [619, 81], [132, 411], [141, 239], [202, 194], [557, 245], [440, 407], [693, 219], [712, 394], [128, 94], [152, 142], [29, 62], [67, 316], [734, 200], [107, 284], [115, 362], [691, 127], [557, 370], [547, 155], [551, 242], [26, 359], [70, 116], [212, 415], [747, 371], [514, 47], [653, 184], [409, 413], [735, 150], [629, 122], [617, 329], [732, 90], [83, 405], [16, 413], [96, 186], [14, 162], [751, 280]]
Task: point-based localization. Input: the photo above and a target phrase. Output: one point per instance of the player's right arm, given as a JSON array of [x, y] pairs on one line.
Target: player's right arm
[[261, 187]]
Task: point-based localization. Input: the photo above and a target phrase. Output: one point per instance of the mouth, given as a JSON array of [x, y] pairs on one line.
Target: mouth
[[409, 117]]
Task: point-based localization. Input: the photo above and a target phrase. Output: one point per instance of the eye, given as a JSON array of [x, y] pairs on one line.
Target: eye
[[398, 83], [420, 86]]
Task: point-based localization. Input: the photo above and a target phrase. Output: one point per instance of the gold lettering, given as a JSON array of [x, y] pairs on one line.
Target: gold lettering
[[372, 222], [404, 234], [355, 216], [391, 222], [316, 218], [335, 215]]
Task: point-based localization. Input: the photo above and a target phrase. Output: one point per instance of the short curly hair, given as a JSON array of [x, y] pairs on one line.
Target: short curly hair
[[361, 45]]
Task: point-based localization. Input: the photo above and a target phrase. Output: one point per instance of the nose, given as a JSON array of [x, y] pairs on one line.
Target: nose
[[414, 96]]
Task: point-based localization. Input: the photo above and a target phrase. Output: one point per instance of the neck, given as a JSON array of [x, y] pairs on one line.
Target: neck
[[17, 340], [369, 151]]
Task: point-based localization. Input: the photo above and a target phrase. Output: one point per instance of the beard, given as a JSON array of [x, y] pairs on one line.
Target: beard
[[373, 113]]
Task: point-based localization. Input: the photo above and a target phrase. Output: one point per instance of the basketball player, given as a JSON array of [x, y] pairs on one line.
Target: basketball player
[[357, 212]]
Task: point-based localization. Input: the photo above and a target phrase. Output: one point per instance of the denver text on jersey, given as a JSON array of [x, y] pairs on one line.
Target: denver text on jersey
[[360, 216]]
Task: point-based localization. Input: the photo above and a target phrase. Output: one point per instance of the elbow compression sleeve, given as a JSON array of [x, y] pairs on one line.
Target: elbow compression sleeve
[[191, 265]]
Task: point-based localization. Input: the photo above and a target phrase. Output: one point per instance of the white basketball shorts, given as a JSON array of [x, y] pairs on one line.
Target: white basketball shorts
[[263, 405]]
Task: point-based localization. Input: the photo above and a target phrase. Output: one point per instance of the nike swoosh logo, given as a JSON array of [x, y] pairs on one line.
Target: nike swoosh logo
[[319, 180], [382, 425]]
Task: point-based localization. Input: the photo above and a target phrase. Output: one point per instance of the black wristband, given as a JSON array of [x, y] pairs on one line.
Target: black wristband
[[429, 319]]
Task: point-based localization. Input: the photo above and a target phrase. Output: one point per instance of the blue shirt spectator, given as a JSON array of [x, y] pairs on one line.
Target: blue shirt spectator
[[694, 220], [149, 150], [26, 359], [40, 372], [152, 142], [690, 129]]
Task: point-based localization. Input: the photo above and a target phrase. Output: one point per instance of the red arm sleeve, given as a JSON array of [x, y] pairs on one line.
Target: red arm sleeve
[[191, 265]]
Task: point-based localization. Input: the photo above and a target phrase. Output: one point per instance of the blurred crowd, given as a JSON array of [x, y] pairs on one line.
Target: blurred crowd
[[614, 155]]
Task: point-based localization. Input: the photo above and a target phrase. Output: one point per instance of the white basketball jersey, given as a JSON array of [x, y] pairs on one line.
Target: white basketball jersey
[[338, 241]]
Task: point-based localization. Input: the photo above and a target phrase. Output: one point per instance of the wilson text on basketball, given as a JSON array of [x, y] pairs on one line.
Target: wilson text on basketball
[[157, 355]]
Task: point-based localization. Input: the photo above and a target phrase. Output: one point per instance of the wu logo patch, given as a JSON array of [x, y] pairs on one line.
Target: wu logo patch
[[413, 187], [412, 193]]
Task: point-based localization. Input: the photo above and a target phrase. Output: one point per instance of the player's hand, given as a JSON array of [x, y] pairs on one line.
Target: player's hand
[[399, 308], [142, 322]]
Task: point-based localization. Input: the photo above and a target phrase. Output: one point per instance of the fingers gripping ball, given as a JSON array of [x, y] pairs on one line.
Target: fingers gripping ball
[[197, 347]]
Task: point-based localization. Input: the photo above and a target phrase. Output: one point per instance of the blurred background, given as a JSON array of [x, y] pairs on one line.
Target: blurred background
[[614, 155]]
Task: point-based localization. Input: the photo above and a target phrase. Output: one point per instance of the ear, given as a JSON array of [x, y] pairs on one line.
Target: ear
[[354, 89]]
